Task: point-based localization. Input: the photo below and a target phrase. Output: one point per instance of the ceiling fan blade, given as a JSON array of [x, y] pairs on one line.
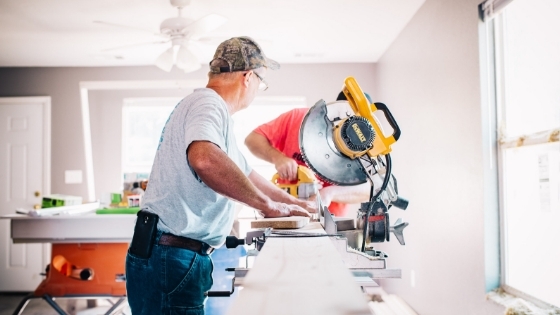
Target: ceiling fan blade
[[134, 45], [204, 25], [129, 27], [165, 60], [186, 60]]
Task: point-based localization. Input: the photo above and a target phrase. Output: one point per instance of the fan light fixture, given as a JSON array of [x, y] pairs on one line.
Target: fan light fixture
[[181, 56], [183, 34]]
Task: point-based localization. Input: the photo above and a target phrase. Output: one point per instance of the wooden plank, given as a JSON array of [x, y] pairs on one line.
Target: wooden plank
[[299, 276], [280, 223]]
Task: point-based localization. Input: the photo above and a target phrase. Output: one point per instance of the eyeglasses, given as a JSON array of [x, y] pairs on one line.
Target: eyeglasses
[[263, 86]]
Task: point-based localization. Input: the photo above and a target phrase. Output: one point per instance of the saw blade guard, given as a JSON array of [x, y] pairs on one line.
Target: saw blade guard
[[320, 153]]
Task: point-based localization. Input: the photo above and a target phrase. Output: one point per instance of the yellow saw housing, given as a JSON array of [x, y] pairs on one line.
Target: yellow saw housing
[[360, 134]]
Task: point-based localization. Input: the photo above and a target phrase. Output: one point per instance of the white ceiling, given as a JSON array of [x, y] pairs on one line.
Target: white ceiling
[[62, 32]]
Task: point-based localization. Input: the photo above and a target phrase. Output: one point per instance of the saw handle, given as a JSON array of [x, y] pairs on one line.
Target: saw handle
[[382, 107], [360, 105]]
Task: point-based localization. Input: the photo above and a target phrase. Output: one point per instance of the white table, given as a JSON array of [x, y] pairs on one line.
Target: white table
[[83, 228]]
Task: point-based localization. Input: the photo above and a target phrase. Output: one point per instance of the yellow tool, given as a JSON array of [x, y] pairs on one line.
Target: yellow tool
[[365, 135], [304, 187]]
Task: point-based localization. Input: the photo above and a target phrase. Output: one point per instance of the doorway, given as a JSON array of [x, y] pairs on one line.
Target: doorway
[[25, 133]]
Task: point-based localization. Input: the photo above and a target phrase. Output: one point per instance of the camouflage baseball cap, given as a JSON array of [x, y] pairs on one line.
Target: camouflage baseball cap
[[240, 54]]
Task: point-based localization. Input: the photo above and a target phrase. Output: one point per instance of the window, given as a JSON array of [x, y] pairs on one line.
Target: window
[[143, 121], [526, 68], [262, 110]]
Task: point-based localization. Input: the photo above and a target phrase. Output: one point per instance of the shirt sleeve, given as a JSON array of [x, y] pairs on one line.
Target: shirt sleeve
[[206, 122], [276, 130]]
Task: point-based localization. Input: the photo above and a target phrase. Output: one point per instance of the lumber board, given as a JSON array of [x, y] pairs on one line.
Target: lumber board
[[280, 223], [299, 276]]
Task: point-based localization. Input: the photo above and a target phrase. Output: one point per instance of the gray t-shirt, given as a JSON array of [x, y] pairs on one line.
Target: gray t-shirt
[[184, 204]]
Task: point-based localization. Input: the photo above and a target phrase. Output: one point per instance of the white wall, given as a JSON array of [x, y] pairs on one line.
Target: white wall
[[430, 80]]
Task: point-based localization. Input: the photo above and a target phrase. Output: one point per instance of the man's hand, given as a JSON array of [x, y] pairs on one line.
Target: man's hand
[[281, 209], [286, 167], [297, 211], [309, 205]]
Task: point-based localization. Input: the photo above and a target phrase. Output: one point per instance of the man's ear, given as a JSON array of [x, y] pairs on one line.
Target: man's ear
[[246, 78]]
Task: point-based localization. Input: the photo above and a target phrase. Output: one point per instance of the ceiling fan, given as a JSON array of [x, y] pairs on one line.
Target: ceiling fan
[[182, 33]]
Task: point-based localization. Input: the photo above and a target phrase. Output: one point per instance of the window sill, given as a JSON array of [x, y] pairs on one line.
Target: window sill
[[519, 306]]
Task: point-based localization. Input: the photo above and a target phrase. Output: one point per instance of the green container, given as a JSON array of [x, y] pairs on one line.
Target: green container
[[52, 202], [116, 198]]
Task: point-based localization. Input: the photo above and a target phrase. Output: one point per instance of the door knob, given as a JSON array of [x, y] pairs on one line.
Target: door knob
[[37, 193], [37, 206]]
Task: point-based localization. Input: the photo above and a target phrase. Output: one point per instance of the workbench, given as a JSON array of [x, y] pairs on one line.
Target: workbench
[[304, 275], [87, 257]]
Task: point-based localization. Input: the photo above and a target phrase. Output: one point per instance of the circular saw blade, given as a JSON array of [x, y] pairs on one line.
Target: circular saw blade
[[320, 154]]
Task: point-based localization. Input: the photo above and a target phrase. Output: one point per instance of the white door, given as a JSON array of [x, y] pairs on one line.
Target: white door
[[24, 179]]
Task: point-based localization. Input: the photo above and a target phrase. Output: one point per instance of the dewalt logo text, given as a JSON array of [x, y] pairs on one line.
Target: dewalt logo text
[[359, 132]]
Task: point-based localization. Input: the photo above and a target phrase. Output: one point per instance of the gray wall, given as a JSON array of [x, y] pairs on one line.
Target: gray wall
[[62, 84], [430, 80]]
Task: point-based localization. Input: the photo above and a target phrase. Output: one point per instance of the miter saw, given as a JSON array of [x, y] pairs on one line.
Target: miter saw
[[344, 144]]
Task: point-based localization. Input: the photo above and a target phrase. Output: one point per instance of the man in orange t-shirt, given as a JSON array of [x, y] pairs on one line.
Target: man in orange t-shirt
[[277, 142]]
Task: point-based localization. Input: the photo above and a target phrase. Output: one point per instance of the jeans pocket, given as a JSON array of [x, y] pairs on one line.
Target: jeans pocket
[[188, 276]]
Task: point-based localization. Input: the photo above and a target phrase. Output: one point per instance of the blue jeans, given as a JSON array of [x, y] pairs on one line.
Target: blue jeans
[[172, 281]]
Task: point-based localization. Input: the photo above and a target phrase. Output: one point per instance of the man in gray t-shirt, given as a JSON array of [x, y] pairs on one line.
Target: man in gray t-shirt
[[197, 173]]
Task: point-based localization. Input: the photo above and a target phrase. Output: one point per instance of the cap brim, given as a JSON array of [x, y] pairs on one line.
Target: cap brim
[[271, 64]]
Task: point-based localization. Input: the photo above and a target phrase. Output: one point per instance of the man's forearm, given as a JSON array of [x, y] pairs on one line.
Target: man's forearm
[[261, 148], [221, 174], [278, 194], [270, 189]]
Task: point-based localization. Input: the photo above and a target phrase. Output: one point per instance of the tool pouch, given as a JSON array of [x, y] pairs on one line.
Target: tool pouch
[[145, 232]]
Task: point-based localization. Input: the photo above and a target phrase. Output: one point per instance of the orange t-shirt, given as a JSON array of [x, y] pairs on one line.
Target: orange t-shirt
[[283, 135]]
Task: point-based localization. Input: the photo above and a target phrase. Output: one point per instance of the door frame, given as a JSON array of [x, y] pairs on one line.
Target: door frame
[[45, 101]]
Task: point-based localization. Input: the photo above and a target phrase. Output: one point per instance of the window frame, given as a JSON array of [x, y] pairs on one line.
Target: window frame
[[495, 144]]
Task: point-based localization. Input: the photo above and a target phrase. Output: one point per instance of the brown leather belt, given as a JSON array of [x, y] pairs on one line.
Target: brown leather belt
[[186, 243]]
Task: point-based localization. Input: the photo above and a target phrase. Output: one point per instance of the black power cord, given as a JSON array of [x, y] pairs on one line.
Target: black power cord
[[372, 200]]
